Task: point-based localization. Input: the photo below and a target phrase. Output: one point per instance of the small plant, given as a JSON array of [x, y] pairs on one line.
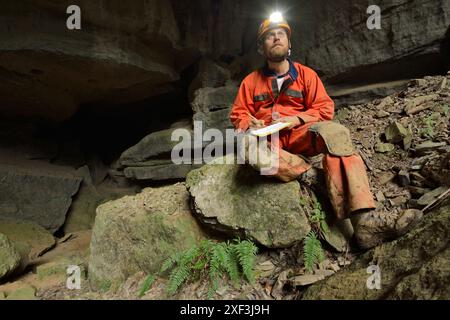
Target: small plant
[[428, 130], [312, 251], [318, 218], [146, 285], [312, 248], [212, 260]]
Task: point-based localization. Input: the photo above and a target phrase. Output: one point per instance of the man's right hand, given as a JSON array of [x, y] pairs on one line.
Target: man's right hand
[[256, 124]]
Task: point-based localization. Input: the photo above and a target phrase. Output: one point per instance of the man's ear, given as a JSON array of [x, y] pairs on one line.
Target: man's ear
[[260, 50]]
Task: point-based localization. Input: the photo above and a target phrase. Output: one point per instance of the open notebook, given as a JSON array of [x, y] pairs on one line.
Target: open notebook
[[270, 129]]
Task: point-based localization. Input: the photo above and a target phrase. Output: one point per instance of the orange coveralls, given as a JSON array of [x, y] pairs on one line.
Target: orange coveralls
[[303, 95]]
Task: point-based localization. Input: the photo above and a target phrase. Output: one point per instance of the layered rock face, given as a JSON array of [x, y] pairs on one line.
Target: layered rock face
[[122, 53], [129, 52], [411, 34]]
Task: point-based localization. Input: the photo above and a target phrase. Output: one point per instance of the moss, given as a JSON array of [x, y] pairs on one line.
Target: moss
[[105, 286], [26, 292]]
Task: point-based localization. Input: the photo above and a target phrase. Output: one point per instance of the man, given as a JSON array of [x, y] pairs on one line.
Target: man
[[286, 91]]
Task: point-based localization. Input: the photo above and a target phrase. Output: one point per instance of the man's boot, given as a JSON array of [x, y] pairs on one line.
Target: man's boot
[[375, 227]]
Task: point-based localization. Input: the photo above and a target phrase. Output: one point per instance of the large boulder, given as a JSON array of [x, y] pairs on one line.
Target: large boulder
[[159, 172], [37, 193], [413, 267], [9, 257], [150, 158], [137, 233], [157, 145], [236, 200], [31, 240]]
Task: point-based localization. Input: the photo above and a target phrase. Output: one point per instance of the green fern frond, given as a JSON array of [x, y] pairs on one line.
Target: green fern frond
[[190, 255], [169, 263], [232, 264], [214, 285], [246, 252], [177, 278], [312, 251], [213, 260], [146, 285]]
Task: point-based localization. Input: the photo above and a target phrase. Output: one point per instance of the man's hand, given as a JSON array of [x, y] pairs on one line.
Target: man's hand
[[294, 121], [255, 123]]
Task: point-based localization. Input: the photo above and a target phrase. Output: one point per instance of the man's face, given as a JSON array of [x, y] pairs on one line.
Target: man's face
[[276, 45]]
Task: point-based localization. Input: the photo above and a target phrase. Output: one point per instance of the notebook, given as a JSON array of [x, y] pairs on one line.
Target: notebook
[[263, 132]]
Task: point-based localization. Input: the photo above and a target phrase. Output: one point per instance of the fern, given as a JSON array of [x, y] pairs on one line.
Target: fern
[[212, 260], [177, 278], [318, 218], [312, 251], [170, 262], [232, 264], [246, 253], [146, 285]]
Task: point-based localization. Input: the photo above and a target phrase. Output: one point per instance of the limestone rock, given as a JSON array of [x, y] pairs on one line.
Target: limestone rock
[[162, 172], [419, 104], [39, 196], [329, 48], [341, 231], [81, 214], [414, 266], [236, 200], [212, 106], [384, 147], [9, 257], [210, 74], [156, 144], [31, 240], [429, 197], [137, 233], [105, 60], [395, 132]]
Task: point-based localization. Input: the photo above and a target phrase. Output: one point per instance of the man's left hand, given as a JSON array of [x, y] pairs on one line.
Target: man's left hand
[[294, 121]]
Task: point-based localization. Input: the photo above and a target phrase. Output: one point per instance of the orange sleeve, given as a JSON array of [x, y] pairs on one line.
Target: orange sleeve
[[242, 106], [319, 104]]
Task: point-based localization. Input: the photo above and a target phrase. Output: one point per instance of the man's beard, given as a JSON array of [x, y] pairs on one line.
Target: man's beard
[[278, 56]]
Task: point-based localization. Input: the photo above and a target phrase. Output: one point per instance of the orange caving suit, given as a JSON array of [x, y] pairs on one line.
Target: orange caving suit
[[303, 95]]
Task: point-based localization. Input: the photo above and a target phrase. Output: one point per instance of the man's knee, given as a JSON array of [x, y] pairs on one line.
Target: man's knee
[[335, 137]]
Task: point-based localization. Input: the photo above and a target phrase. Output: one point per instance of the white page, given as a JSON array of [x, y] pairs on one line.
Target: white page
[[270, 129]]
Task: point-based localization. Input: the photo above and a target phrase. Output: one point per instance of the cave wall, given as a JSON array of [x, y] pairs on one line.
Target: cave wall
[[128, 52]]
